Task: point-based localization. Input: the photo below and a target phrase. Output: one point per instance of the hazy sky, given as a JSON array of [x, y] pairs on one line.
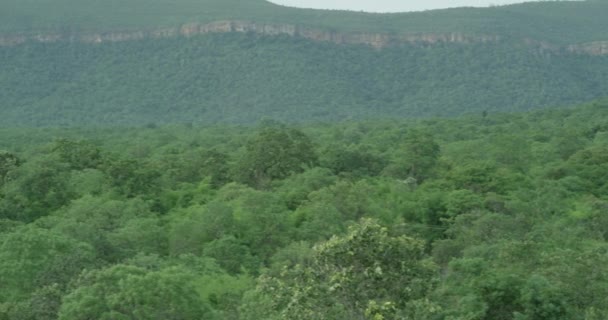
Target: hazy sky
[[390, 5]]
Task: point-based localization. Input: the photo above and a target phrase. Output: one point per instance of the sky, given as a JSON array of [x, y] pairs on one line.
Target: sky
[[390, 5]]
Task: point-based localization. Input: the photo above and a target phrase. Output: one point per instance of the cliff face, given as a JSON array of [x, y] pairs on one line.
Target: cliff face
[[376, 40], [597, 48]]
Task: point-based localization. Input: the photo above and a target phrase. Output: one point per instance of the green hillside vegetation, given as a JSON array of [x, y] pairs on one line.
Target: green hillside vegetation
[[489, 216], [561, 22], [242, 176], [242, 78]]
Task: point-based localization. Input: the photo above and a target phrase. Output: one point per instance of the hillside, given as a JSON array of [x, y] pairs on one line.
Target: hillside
[[131, 62], [239, 78], [561, 23]]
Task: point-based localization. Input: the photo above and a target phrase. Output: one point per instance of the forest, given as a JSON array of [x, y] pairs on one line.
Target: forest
[[557, 22], [486, 216], [245, 78]]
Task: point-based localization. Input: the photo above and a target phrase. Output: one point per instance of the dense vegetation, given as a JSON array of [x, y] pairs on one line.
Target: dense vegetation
[[239, 78], [490, 216], [561, 22]]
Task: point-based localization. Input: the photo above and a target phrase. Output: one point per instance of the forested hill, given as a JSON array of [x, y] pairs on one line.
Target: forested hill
[[559, 23], [243, 78], [450, 62]]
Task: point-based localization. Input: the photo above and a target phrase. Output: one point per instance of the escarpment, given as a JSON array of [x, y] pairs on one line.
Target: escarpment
[[596, 48], [376, 40]]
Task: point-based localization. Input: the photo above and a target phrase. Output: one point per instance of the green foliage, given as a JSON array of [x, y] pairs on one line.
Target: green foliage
[[501, 216], [296, 188], [126, 292], [8, 163], [191, 228], [242, 78], [275, 153], [365, 274], [352, 161], [35, 189], [591, 165], [191, 166], [231, 255], [32, 257], [43, 304], [116, 229], [541, 300], [78, 154], [420, 154], [559, 21], [130, 177]]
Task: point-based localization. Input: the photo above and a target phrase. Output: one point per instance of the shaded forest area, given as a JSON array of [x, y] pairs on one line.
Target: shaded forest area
[[488, 216]]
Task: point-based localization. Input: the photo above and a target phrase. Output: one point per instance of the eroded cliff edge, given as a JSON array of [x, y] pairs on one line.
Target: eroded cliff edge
[[376, 40]]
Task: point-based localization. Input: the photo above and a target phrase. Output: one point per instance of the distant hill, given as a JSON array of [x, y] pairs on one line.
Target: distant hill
[[559, 22], [68, 62]]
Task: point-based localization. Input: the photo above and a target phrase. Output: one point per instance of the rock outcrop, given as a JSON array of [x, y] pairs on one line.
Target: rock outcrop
[[376, 40], [597, 48]]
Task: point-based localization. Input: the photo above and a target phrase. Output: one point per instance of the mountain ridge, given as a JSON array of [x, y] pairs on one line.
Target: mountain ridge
[[135, 62], [376, 40], [561, 23]]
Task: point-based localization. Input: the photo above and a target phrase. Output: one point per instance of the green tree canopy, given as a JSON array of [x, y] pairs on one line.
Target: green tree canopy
[[31, 257], [275, 153], [365, 274], [133, 293]]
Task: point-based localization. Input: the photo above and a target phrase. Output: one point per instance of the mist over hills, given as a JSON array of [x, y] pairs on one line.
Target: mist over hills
[[136, 62]]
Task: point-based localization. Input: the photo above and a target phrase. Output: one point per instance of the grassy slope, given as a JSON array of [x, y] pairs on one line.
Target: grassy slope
[[557, 22]]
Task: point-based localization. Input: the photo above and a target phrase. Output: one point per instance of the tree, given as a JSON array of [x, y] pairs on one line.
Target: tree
[[591, 165], [275, 153], [231, 255], [262, 220], [78, 154], [128, 292], [130, 177], [296, 188], [365, 274], [352, 160], [215, 166], [192, 166], [541, 300], [36, 188], [8, 163], [43, 304], [418, 156], [116, 229], [31, 257], [191, 228]]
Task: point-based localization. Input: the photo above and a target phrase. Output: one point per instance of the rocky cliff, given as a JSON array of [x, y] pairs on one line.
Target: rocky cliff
[[597, 48], [376, 40]]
